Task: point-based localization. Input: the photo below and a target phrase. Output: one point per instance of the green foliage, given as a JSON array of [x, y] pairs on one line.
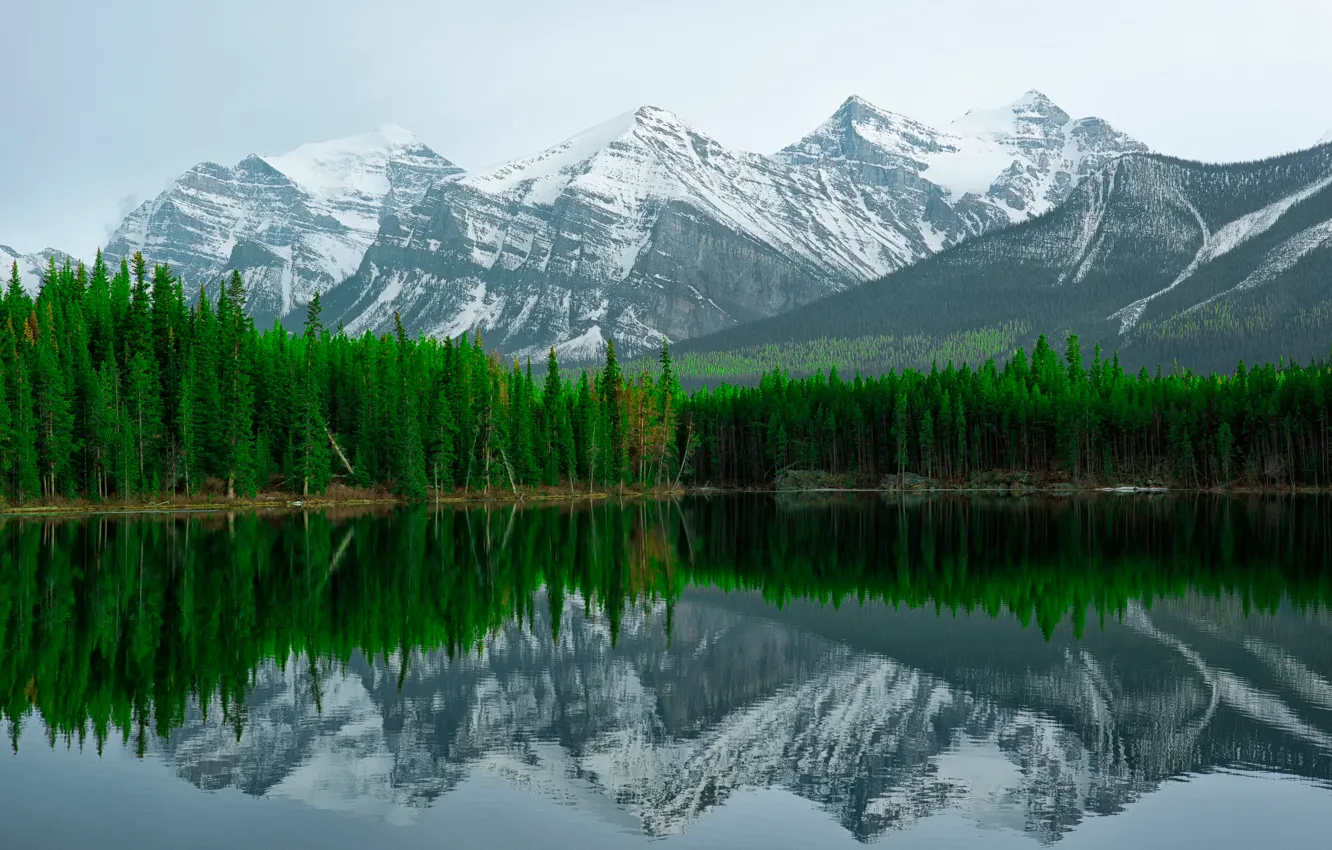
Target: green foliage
[[114, 388]]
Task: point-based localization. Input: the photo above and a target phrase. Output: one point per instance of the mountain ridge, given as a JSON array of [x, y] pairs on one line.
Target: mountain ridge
[[1154, 257], [293, 223], [645, 229], [640, 228]]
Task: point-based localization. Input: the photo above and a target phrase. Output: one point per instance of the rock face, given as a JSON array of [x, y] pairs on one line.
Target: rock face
[[1152, 257], [643, 228], [294, 224]]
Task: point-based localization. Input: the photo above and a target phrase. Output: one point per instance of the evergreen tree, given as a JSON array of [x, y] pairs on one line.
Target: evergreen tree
[[610, 388], [8, 446], [52, 406]]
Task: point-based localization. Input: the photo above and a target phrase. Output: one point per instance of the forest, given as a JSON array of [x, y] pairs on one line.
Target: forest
[[118, 387], [116, 626]]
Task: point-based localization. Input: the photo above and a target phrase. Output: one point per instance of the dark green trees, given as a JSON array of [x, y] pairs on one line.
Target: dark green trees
[[119, 388]]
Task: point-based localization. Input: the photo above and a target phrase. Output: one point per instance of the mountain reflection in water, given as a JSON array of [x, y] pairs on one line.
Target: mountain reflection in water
[[1028, 663]]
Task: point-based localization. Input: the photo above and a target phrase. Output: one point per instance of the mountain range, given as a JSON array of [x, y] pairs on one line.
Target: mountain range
[[293, 225], [641, 228], [872, 226], [644, 228], [1153, 257]]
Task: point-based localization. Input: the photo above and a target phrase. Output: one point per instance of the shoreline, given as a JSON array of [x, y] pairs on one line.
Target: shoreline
[[286, 501], [275, 501]]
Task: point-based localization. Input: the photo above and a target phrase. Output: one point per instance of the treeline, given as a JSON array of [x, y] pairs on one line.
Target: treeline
[[1062, 418], [120, 626], [118, 387]]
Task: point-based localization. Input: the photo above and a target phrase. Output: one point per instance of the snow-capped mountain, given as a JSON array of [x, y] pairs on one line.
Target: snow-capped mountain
[[32, 268], [293, 224], [989, 168], [643, 228], [1153, 257], [658, 731]]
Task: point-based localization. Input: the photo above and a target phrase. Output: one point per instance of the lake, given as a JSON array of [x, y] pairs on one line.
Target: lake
[[732, 671]]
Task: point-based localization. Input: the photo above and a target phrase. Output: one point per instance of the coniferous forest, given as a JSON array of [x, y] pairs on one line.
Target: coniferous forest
[[118, 387]]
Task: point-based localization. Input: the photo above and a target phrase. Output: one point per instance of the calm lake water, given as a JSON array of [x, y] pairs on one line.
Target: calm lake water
[[726, 672]]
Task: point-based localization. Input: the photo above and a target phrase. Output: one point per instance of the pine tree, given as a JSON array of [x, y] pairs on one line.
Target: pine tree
[[610, 387], [52, 406], [313, 451], [668, 390], [188, 422], [407, 456], [237, 461], [314, 325], [27, 476], [143, 399], [443, 438], [8, 447], [17, 303]]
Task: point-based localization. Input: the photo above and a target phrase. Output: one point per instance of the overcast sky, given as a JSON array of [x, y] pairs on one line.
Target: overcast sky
[[103, 103]]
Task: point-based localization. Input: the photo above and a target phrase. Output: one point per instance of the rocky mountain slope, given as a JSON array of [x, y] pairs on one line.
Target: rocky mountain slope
[[293, 224], [1156, 258], [643, 228]]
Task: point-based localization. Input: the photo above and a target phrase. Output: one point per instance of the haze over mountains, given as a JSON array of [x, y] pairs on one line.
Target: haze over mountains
[[645, 229]]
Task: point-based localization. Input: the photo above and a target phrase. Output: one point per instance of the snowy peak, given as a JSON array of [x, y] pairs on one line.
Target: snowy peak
[[293, 224], [1327, 139], [1034, 102], [1031, 117], [643, 228], [356, 165], [1025, 158], [1015, 161], [535, 177], [31, 267], [860, 131], [537, 180]]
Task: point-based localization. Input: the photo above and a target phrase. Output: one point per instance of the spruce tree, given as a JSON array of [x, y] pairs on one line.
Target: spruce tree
[[8, 447], [611, 387], [313, 449], [53, 406], [27, 475], [314, 325]]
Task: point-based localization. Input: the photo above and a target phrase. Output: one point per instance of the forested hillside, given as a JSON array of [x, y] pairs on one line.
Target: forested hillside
[[115, 387], [1159, 259]]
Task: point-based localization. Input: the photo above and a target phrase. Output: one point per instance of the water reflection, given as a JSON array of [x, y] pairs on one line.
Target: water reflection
[[1026, 663]]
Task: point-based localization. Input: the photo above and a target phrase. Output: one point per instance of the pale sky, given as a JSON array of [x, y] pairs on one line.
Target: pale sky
[[104, 103]]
